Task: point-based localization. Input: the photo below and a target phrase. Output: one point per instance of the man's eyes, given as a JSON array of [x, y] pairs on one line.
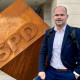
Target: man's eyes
[[60, 15]]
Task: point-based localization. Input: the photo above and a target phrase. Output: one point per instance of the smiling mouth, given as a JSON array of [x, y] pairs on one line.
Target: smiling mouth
[[59, 20]]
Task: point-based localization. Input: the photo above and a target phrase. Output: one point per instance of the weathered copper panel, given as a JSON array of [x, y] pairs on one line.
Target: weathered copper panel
[[25, 65], [21, 31]]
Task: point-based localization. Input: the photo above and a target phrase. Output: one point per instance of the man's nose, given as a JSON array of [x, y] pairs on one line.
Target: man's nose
[[59, 16]]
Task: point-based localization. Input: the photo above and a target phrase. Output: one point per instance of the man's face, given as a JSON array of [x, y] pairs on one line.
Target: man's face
[[60, 16]]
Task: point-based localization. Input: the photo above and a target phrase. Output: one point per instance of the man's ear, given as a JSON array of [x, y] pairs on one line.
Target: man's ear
[[67, 15]]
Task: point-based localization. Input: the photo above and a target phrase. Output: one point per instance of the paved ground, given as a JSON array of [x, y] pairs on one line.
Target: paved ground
[[4, 76]]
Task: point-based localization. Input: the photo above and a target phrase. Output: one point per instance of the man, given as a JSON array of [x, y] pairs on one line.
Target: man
[[59, 50]]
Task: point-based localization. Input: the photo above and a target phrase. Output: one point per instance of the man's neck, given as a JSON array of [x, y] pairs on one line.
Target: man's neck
[[59, 28]]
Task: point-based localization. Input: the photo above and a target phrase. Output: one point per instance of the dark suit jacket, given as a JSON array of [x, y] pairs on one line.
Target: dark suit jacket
[[67, 52]]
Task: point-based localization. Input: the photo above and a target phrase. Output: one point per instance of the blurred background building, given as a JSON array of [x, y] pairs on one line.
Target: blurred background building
[[44, 8]]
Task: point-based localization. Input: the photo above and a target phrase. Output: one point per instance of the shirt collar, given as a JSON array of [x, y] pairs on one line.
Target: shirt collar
[[63, 29]]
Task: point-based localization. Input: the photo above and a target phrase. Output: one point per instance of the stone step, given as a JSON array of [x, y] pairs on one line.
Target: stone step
[[4, 76]]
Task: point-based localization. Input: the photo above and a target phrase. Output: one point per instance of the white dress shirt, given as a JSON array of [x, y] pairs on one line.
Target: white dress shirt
[[56, 52]]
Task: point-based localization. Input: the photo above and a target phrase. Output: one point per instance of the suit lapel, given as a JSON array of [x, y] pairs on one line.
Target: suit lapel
[[51, 39], [65, 36]]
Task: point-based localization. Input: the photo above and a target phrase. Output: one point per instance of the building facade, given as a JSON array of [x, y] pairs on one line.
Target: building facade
[[72, 8]]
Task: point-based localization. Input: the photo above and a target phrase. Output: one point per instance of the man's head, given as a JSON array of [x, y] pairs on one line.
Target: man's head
[[60, 16]]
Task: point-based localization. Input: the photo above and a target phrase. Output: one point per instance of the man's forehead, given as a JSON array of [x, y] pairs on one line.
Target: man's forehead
[[59, 12], [60, 9]]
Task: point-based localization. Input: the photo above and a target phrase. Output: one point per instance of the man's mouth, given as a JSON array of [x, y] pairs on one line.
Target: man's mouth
[[59, 20]]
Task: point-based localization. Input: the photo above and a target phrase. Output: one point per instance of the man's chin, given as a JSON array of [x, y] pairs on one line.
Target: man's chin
[[59, 24]]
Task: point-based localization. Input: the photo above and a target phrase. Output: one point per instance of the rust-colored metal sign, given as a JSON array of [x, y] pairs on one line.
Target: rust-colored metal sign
[[21, 35]]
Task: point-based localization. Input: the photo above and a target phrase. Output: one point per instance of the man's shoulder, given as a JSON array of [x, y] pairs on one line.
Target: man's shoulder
[[77, 29], [49, 30]]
